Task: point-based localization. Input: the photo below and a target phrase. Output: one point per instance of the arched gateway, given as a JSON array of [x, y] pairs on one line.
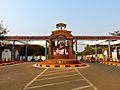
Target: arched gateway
[[57, 38], [60, 50]]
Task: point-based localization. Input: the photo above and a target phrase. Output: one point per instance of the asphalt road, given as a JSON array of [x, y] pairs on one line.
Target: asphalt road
[[14, 77], [93, 77]]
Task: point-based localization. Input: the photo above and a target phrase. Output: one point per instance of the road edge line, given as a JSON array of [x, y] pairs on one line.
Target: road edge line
[[94, 87]]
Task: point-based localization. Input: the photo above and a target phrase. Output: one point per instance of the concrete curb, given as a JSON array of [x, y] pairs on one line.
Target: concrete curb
[[59, 66], [10, 63], [111, 63]]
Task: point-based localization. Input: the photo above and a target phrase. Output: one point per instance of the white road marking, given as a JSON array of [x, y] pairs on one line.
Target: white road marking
[[83, 87], [51, 84], [59, 70], [57, 73], [95, 88], [26, 86], [35, 65], [57, 77]]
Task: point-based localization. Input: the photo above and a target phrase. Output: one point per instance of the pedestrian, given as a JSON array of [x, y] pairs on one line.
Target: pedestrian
[[92, 59]]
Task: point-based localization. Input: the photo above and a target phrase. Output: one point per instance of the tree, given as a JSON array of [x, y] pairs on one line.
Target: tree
[[33, 50], [115, 33], [3, 30], [90, 49]]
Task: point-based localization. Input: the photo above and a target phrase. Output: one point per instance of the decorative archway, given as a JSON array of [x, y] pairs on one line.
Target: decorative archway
[[61, 34]]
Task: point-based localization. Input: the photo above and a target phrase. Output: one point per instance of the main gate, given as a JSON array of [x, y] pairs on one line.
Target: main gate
[[55, 34]]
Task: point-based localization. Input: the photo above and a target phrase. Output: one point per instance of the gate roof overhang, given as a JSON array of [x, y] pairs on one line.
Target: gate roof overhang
[[47, 37], [97, 37], [40, 40]]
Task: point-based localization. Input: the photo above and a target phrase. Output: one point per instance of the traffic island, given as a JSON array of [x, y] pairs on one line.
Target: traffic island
[[60, 64], [60, 50]]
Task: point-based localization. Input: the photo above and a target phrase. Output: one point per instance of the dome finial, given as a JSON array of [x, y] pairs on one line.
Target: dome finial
[[60, 26]]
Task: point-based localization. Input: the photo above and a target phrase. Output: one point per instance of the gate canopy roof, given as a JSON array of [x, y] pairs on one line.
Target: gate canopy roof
[[47, 37], [40, 40], [102, 42]]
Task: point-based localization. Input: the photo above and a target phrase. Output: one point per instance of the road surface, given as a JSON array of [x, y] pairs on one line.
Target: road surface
[[24, 76]]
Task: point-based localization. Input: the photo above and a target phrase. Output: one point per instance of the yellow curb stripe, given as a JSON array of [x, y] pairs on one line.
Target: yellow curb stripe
[[44, 66], [72, 65], [114, 64], [52, 66], [111, 63], [38, 65], [10, 63], [118, 64], [60, 66]]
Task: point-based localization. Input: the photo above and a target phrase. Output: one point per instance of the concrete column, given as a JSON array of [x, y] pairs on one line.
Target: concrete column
[[57, 41], [96, 55], [76, 49], [71, 46], [26, 53], [109, 51], [13, 51], [116, 53], [50, 47], [46, 49], [65, 42]]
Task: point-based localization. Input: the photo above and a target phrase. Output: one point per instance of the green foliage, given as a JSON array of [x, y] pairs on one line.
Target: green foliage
[[115, 33], [37, 50], [89, 50], [33, 50], [3, 30]]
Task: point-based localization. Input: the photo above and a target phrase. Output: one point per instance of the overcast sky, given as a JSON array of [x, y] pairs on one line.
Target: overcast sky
[[38, 17]]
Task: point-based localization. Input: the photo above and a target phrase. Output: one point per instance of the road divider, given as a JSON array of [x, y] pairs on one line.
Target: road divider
[[10, 63], [110, 63], [59, 65]]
